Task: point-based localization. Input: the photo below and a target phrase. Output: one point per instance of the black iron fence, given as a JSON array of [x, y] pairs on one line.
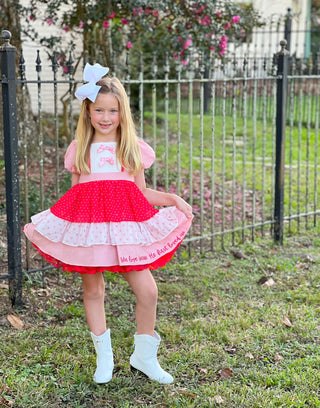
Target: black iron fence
[[238, 140]]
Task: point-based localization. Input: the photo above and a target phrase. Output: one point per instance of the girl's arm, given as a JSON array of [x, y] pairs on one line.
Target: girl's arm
[[75, 179], [159, 198]]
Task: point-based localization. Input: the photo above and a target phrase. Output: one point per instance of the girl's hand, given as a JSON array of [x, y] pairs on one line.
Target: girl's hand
[[183, 206]]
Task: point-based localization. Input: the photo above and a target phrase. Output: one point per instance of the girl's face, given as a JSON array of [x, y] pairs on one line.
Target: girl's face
[[105, 118]]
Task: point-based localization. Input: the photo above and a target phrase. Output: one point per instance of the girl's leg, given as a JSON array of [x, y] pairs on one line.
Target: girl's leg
[[146, 291], [93, 300], [146, 340]]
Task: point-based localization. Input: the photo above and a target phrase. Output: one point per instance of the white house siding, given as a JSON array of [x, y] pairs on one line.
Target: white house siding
[[30, 55]]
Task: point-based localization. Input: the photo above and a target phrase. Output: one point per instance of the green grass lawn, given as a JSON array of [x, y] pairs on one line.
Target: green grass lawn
[[228, 340]]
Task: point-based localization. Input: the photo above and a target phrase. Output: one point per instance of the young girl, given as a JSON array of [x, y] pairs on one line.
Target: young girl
[[107, 222]]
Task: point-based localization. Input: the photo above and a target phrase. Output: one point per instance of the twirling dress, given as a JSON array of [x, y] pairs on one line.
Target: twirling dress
[[104, 223]]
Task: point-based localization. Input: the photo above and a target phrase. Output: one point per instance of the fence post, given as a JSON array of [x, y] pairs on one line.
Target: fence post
[[281, 117], [10, 132], [288, 28]]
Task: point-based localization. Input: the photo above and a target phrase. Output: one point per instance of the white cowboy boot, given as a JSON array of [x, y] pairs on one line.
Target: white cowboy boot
[[102, 345], [144, 358]]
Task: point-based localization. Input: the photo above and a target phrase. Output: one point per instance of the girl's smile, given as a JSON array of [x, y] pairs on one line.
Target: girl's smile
[[105, 117]]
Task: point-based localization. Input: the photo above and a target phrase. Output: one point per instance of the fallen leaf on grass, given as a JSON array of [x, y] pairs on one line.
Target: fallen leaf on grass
[[41, 292], [218, 399], [237, 253], [15, 321], [5, 403], [270, 282], [278, 357], [225, 373], [5, 388], [266, 281], [249, 355], [4, 286], [231, 348], [138, 401], [202, 370], [307, 258], [187, 393], [286, 321]]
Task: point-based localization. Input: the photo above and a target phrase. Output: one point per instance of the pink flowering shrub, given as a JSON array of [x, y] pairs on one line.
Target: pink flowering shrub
[[176, 27]]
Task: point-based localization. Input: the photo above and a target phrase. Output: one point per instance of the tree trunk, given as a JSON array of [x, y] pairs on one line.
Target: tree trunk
[[10, 21]]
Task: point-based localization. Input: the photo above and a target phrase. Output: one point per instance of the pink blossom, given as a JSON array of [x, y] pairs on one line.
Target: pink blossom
[[175, 55], [137, 11], [219, 14], [106, 24], [81, 24], [212, 48], [206, 20], [32, 17], [235, 19], [223, 45], [129, 44], [227, 26], [184, 62], [49, 21], [124, 21], [112, 16], [66, 28], [147, 11], [200, 9], [187, 44], [155, 13], [0, 8], [65, 69]]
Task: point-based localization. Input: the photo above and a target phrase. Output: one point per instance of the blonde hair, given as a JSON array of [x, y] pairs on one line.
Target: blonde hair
[[127, 149]]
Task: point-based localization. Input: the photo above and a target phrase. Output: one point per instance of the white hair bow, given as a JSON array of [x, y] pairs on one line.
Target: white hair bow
[[92, 74]]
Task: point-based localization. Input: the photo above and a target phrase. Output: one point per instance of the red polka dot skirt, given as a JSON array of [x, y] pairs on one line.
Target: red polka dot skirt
[[107, 225]]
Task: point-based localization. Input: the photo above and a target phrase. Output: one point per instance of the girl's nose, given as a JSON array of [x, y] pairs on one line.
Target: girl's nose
[[106, 116]]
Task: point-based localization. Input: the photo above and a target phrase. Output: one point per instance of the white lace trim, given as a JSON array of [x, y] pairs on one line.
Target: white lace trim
[[106, 233]]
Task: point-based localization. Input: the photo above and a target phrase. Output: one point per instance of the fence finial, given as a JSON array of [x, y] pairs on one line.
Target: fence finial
[[6, 36], [283, 51]]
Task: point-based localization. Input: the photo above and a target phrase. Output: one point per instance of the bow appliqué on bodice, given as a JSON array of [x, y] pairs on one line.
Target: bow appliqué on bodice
[[102, 148]]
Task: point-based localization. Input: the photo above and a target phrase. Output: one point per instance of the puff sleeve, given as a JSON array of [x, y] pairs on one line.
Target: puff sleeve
[[70, 157], [147, 154]]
